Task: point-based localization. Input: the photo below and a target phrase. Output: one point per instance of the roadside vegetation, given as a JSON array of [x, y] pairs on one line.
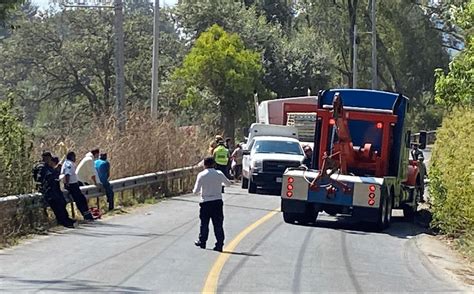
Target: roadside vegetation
[[452, 165]]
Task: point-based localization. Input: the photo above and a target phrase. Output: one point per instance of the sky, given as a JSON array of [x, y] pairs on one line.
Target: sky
[[44, 3]]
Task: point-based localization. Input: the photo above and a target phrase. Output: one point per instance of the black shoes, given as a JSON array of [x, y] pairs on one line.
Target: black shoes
[[217, 248], [200, 244]]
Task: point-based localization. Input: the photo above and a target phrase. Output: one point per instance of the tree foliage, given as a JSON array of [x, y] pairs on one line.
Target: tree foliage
[[15, 149], [456, 88], [220, 63]]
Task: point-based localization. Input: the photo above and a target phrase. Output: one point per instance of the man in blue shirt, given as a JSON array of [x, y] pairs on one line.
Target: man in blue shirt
[[103, 170]]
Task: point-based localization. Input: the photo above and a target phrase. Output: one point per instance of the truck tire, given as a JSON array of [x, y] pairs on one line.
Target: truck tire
[[245, 183], [382, 215], [252, 187], [309, 216], [388, 215], [289, 217]]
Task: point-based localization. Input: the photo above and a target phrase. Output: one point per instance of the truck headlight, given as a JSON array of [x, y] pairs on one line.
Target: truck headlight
[[257, 166]]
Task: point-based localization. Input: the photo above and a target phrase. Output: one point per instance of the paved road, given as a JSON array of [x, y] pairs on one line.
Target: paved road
[[152, 250]]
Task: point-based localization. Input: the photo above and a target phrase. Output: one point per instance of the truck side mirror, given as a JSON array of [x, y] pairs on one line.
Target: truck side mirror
[[408, 139], [246, 152], [422, 140]]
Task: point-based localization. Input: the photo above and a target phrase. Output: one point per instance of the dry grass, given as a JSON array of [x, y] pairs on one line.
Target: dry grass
[[145, 146]]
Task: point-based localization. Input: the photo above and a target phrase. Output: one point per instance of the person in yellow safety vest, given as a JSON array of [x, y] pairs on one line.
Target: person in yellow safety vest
[[221, 156]]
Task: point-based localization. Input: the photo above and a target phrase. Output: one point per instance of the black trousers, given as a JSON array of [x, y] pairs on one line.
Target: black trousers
[[58, 206], [223, 169], [212, 210], [80, 200]]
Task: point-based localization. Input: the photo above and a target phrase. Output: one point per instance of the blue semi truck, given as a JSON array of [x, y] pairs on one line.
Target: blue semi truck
[[360, 164]]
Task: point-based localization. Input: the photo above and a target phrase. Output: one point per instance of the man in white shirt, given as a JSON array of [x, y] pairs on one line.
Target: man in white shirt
[[86, 172], [209, 184], [71, 183]]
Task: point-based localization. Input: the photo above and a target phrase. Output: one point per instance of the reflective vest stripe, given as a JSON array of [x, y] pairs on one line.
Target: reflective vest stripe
[[221, 155]]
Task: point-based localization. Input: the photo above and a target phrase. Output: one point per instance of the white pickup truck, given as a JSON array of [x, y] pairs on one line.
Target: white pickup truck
[[269, 151]]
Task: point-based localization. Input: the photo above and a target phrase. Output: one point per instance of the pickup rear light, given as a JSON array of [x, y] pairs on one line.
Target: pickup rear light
[[379, 125], [289, 187], [291, 180], [371, 195], [371, 202]]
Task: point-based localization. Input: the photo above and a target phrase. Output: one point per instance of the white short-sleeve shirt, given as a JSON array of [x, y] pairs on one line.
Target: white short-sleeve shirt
[[69, 168]]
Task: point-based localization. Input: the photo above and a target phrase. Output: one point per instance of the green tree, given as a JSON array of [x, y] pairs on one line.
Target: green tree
[[15, 163], [456, 88], [7, 6], [220, 64]]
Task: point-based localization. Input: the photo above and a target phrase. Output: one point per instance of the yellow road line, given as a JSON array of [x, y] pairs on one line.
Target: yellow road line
[[213, 276]]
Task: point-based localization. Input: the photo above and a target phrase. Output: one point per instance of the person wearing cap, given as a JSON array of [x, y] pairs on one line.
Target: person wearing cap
[[86, 172], [213, 144], [102, 166], [71, 183], [418, 156], [208, 184], [48, 182], [308, 156], [221, 157]]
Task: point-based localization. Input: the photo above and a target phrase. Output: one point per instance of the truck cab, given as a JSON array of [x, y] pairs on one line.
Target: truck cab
[[269, 151]]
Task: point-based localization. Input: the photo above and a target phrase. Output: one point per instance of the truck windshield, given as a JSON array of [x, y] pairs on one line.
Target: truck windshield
[[281, 147]]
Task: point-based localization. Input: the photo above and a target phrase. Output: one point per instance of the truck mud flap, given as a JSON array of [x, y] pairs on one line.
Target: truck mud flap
[[293, 206]]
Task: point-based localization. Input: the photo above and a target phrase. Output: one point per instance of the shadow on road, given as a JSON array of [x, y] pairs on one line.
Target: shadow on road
[[239, 253], [399, 227], [72, 285]]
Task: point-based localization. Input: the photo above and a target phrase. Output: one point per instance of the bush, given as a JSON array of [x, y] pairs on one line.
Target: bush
[[452, 177], [15, 163]]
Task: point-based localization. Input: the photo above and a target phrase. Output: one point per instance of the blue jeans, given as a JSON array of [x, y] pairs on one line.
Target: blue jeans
[[109, 193]]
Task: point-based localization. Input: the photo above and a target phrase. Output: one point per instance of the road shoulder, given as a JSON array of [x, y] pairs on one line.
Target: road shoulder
[[456, 267]]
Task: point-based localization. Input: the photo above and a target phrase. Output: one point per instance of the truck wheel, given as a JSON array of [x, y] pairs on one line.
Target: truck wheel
[[289, 217], [388, 215], [380, 225], [245, 183], [309, 216], [252, 187]]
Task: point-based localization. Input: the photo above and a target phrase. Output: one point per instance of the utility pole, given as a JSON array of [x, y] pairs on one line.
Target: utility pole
[[374, 48], [156, 61], [119, 66], [354, 61]]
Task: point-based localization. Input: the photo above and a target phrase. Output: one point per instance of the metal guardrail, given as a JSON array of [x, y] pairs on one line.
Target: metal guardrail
[[119, 185]]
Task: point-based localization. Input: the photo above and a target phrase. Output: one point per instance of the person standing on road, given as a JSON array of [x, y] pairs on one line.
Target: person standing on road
[[48, 182], [237, 157], [103, 169], [221, 157], [209, 183], [71, 183], [86, 172], [418, 156]]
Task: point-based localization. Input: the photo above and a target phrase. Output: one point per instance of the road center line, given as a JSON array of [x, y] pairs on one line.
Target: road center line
[[213, 277]]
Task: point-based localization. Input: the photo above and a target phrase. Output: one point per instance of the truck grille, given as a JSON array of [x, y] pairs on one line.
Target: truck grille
[[278, 167]]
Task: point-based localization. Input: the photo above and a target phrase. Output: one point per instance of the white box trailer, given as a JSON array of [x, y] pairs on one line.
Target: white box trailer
[[273, 112]]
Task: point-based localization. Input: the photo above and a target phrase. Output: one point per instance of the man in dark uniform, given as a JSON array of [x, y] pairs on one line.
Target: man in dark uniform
[[47, 179]]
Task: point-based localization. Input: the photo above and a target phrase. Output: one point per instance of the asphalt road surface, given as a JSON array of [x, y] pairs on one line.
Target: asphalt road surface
[[152, 249]]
